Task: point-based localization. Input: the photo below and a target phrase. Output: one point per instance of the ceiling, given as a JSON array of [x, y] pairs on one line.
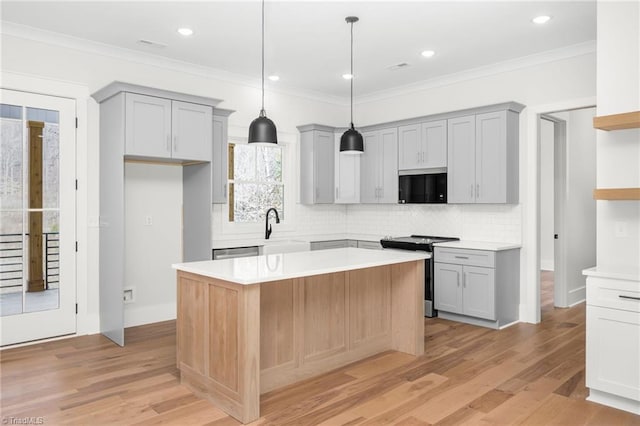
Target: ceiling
[[307, 42]]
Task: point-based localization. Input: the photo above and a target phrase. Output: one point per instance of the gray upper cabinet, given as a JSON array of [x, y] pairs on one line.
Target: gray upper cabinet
[[161, 128], [461, 177], [483, 158], [220, 161], [191, 131], [347, 175], [379, 167], [423, 145], [316, 164], [147, 126]]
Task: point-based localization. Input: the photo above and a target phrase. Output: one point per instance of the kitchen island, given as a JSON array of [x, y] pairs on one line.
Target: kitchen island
[[246, 326]]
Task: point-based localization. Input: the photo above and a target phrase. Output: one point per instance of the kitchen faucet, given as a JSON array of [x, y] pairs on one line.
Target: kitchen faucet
[[267, 227]]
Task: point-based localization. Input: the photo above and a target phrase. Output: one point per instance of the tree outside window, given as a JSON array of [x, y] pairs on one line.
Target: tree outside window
[[255, 182]]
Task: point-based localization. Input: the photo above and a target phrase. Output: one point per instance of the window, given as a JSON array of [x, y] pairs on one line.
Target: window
[[255, 182]]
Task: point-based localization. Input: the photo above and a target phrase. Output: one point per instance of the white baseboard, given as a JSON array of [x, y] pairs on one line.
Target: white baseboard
[[547, 264], [614, 401], [148, 314]]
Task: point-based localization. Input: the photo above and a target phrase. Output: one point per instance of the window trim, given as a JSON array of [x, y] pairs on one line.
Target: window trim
[[232, 229]]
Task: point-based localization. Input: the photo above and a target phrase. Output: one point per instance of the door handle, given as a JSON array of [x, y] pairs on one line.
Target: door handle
[[477, 190], [464, 280], [175, 143], [555, 236], [422, 157]]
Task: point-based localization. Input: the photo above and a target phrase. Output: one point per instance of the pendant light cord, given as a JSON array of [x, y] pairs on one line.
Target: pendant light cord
[[352, 76], [262, 113]]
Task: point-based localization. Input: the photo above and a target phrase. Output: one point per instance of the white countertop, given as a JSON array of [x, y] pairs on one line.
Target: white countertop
[[628, 273], [479, 245], [274, 267], [250, 242]]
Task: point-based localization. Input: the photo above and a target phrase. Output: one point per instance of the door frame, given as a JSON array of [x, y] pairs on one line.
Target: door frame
[[530, 309], [559, 217], [87, 318]]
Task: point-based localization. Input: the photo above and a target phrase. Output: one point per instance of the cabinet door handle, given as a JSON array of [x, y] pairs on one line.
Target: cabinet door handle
[[477, 190], [175, 143], [458, 278], [622, 296], [461, 257], [422, 157], [464, 280]]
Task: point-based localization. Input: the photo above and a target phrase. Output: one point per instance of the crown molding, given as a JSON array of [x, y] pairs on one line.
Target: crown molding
[[88, 46], [575, 50]]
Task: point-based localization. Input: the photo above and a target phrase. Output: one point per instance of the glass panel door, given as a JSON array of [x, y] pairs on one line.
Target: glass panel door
[[37, 216]]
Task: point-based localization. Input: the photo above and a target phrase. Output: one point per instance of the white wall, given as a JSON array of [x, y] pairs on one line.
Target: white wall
[[546, 195], [28, 56], [579, 207], [618, 152], [155, 191]]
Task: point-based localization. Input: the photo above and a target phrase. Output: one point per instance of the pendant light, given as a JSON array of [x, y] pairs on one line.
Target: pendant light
[[262, 130], [351, 141]]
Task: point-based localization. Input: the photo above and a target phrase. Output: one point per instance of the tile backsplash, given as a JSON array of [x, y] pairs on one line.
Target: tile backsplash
[[500, 223], [494, 222]]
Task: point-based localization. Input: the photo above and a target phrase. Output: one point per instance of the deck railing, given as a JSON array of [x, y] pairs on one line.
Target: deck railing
[[12, 253]]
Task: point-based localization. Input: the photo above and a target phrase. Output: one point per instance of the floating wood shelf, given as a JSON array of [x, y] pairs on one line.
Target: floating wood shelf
[[627, 120], [616, 194]]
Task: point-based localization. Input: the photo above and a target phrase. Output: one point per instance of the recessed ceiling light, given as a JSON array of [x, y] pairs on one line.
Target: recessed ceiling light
[[347, 76], [543, 19], [428, 53], [274, 78], [185, 31]]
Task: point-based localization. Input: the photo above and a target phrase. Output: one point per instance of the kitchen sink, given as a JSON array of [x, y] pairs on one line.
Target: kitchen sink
[[283, 246]]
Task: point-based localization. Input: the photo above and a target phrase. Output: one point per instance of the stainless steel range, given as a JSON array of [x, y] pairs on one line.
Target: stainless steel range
[[422, 243]]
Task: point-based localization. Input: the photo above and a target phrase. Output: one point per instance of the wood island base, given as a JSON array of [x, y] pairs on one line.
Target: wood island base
[[237, 341]]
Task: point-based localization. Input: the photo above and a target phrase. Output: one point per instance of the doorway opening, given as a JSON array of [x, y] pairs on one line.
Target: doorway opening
[[567, 231]]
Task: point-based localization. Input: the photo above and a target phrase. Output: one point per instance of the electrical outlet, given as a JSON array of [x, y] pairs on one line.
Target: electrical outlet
[[148, 221], [128, 296], [620, 230]]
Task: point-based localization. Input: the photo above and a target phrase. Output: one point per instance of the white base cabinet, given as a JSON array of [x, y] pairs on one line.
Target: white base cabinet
[[613, 343], [479, 287]]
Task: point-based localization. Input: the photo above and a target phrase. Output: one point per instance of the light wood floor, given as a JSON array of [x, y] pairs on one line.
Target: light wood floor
[[525, 374]]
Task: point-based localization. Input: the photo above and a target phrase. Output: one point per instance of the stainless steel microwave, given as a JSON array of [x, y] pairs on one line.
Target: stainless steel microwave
[[422, 188]]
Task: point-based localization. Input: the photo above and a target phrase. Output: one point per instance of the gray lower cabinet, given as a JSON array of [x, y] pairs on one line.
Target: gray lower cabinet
[[379, 167], [371, 245], [483, 158], [316, 164], [157, 127], [477, 286], [325, 245]]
